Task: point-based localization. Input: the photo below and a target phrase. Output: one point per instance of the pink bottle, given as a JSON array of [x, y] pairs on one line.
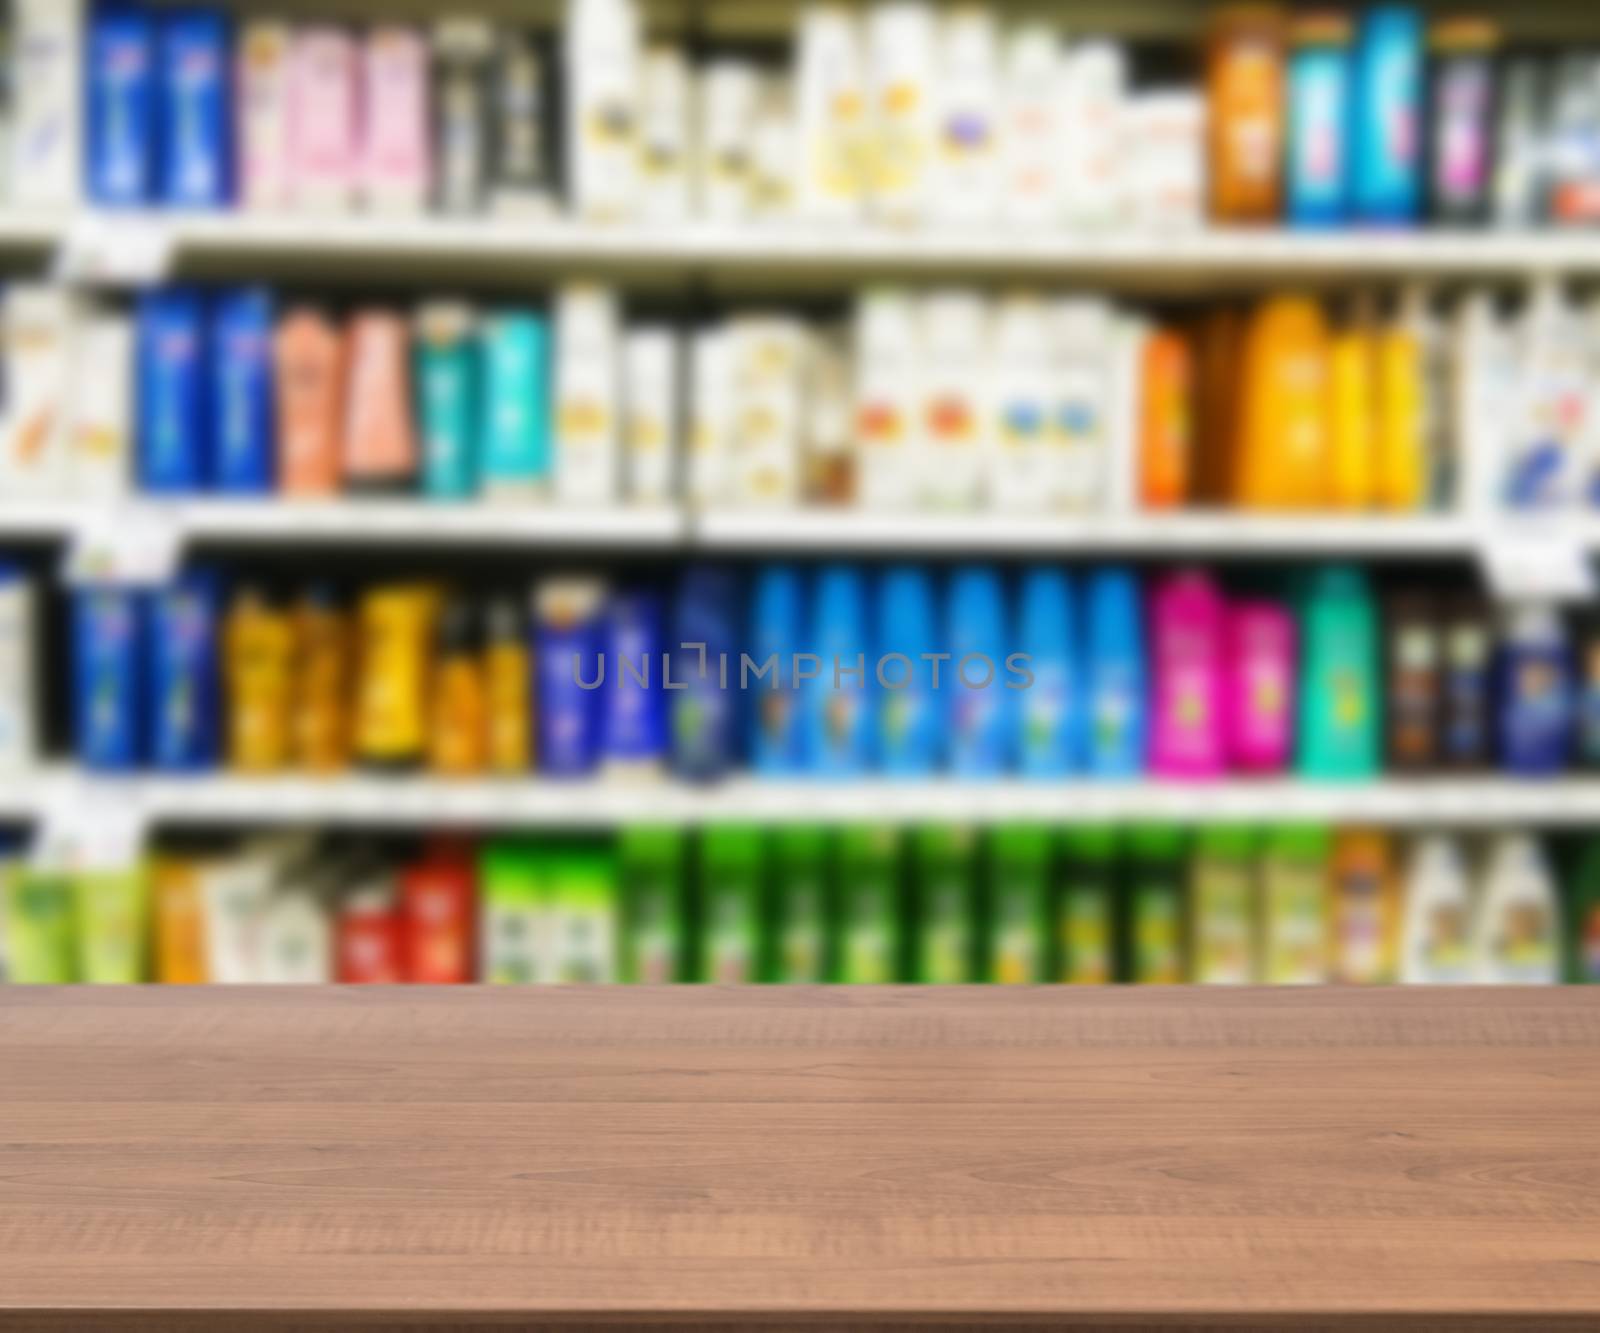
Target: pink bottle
[[1187, 629], [395, 153], [324, 119], [1261, 688]]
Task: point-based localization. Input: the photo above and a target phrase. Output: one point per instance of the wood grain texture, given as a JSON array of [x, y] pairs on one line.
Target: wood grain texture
[[451, 1159]]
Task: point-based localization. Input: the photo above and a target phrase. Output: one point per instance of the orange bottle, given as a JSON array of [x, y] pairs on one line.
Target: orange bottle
[[1284, 429], [380, 446], [1352, 406], [458, 731], [1219, 347], [258, 661], [1166, 420], [322, 683], [1245, 95], [179, 919], [310, 357], [1364, 910]]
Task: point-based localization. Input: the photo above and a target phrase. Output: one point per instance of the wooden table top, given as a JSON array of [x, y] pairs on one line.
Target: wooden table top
[[453, 1158]]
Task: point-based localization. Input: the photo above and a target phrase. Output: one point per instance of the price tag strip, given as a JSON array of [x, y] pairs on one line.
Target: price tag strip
[[115, 250]]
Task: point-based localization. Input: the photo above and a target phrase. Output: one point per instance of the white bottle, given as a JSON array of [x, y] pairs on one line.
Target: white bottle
[[730, 94], [1437, 922], [1129, 333], [1086, 411], [710, 417], [1093, 89], [900, 63], [1021, 474], [1486, 385], [19, 700], [1544, 469], [773, 154], [888, 434], [1164, 161], [954, 392], [664, 104], [767, 364], [41, 328], [47, 102], [587, 395], [1517, 936], [830, 110], [602, 68], [1031, 106], [964, 185], [652, 414], [264, 69], [296, 939], [100, 433]]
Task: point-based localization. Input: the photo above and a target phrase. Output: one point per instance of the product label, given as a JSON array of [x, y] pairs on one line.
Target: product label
[[1086, 936]]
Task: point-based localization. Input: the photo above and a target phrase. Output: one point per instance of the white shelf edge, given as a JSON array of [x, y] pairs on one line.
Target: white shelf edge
[[412, 803]]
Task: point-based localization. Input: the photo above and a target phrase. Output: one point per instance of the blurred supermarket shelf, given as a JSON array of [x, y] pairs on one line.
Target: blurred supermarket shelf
[[843, 529], [532, 250], [410, 803], [361, 523]]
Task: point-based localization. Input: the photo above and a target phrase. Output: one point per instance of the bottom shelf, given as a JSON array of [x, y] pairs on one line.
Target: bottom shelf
[[764, 1159]]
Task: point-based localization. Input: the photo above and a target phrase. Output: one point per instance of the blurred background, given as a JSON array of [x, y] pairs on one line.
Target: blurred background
[[1020, 492]]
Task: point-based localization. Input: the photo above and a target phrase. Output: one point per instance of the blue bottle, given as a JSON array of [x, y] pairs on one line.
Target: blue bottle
[[447, 403], [122, 107], [910, 723], [1386, 117], [514, 441], [1050, 709], [777, 618], [172, 416], [196, 110], [107, 694], [183, 675], [1117, 676], [973, 683], [569, 635], [838, 702], [243, 428], [704, 649], [633, 699], [1317, 186], [1537, 688]]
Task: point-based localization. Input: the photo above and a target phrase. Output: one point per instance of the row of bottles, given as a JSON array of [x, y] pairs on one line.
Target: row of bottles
[[800, 904]]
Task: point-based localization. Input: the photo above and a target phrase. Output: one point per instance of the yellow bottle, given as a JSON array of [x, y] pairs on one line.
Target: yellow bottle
[[1353, 443], [391, 728], [1402, 452], [180, 955], [259, 652], [321, 723], [508, 685], [458, 731], [1284, 429], [1364, 910]]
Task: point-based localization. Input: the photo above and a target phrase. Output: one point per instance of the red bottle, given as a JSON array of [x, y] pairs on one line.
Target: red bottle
[[436, 910], [369, 938]]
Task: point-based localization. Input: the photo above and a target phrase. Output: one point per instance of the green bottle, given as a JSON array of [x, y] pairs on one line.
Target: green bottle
[[655, 906], [1153, 936], [1085, 928], [1018, 933], [946, 904], [732, 910], [113, 923], [1339, 724], [1294, 907], [514, 915], [1222, 909], [1583, 916], [798, 931], [39, 933], [582, 922], [869, 922]]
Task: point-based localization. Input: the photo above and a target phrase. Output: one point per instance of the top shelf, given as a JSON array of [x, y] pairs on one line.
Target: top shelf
[[361, 247]]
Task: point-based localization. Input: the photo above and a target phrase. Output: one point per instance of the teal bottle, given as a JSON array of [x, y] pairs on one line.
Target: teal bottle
[[1340, 708]]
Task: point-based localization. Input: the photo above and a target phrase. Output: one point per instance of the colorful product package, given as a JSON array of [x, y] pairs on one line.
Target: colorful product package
[[196, 110], [173, 446], [243, 419]]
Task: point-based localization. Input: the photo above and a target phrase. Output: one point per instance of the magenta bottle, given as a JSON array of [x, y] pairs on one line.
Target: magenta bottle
[[1187, 633], [1259, 710]]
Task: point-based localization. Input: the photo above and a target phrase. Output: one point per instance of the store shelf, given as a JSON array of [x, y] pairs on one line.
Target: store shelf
[[843, 529], [355, 246], [363, 522], [420, 802]]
